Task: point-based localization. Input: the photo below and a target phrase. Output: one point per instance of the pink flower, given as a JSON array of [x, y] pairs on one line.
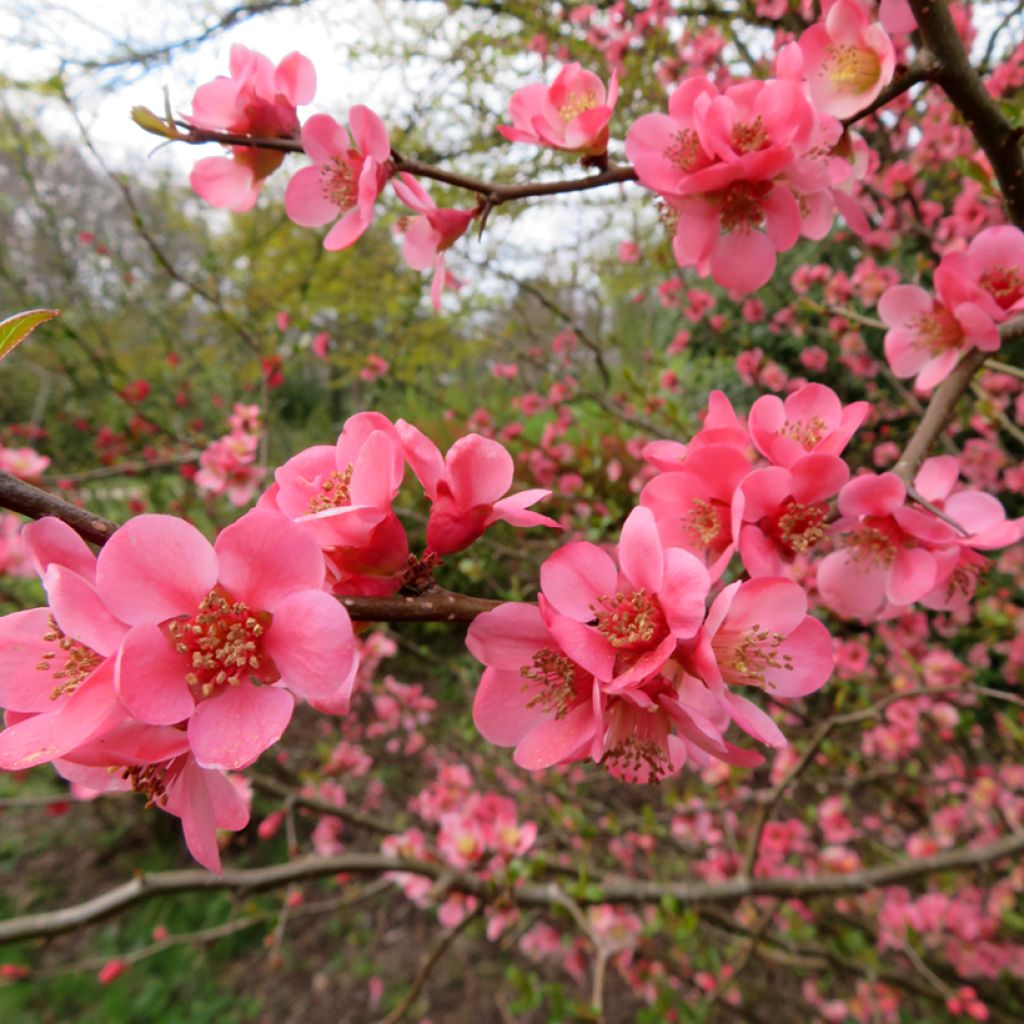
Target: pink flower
[[430, 235], [994, 265], [24, 463], [811, 419], [758, 633], [223, 637], [739, 172], [260, 100], [623, 622], [343, 494], [928, 335], [848, 59], [887, 554], [572, 114], [982, 518], [466, 488], [345, 179], [785, 511]]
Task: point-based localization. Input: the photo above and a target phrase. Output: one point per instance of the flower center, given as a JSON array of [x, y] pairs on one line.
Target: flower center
[[151, 780], [851, 68], [741, 206], [806, 433], [339, 182], [746, 657], [797, 528], [79, 661], [632, 622], [333, 492], [636, 743], [555, 677], [707, 523], [223, 642], [684, 150], [749, 138], [936, 331], [1004, 284], [875, 543], [576, 103]]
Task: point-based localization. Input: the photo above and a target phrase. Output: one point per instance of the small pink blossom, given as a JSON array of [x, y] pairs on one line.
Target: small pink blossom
[[257, 99], [848, 59], [466, 488], [346, 178], [571, 114]]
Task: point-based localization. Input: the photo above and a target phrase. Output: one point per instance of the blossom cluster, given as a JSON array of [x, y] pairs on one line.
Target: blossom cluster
[[227, 466]]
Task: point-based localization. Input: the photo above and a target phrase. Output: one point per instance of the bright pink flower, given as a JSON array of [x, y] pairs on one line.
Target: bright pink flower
[[994, 265], [811, 419], [228, 467], [758, 633], [784, 512], [985, 527], [693, 506], [572, 114], [215, 627], [848, 59], [623, 622], [466, 488], [430, 235], [260, 100], [928, 335], [343, 494], [887, 552], [345, 179]]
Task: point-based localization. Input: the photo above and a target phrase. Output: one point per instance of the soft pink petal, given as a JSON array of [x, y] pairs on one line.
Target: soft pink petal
[[369, 132], [296, 78], [684, 592], [264, 557], [232, 729], [557, 739], [575, 576], [310, 641], [479, 470], [348, 230], [49, 540], [23, 686], [155, 568], [79, 611], [225, 183], [913, 575], [752, 720], [507, 637], [323, 138], [500, 710], [305, 202], [639, 551], [150, 678]]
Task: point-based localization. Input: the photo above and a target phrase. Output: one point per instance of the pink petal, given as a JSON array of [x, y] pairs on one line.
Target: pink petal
[[80, 613], [752, 720], [507, 637], [812, 655], [23, 686], [296, 78], [348, 230], [264, 557], [513, 510], [556, 739], [323, 138], [225, 183], [369, 132], [743, 261], [500, 710], [479, 471], [912, 576], [423, 456], [150, 678], [49, 540], [870, 495], [575, 576], [639, 551], [684, 592], [232, 728], [776, 604], [305, 202], [311, 643], [155, 568]]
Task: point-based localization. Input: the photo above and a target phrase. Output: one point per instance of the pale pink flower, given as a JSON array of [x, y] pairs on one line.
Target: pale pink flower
[[848, 59], [571, 114], [887, 550], [345, 178], [215, 628], [24, 463], [428, 237], [259, 100], [466, 488], [928, 335], [343, 494], [227, 466]]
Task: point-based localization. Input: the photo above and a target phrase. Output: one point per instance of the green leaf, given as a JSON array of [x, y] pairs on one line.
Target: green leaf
[[18, 327], [154, 123]]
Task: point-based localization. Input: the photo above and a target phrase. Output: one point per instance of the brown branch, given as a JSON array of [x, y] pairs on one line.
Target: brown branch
[[426, 966], [436, 605], [528, 894], [36, 503], [966, 91]]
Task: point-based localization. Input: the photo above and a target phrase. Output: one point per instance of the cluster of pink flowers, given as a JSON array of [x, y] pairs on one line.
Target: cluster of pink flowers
[[24, 463], [975, 291], [228, 465]]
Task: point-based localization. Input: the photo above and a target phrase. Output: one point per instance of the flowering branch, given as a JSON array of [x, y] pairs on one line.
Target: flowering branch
[[530, 894], [36, 503]]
